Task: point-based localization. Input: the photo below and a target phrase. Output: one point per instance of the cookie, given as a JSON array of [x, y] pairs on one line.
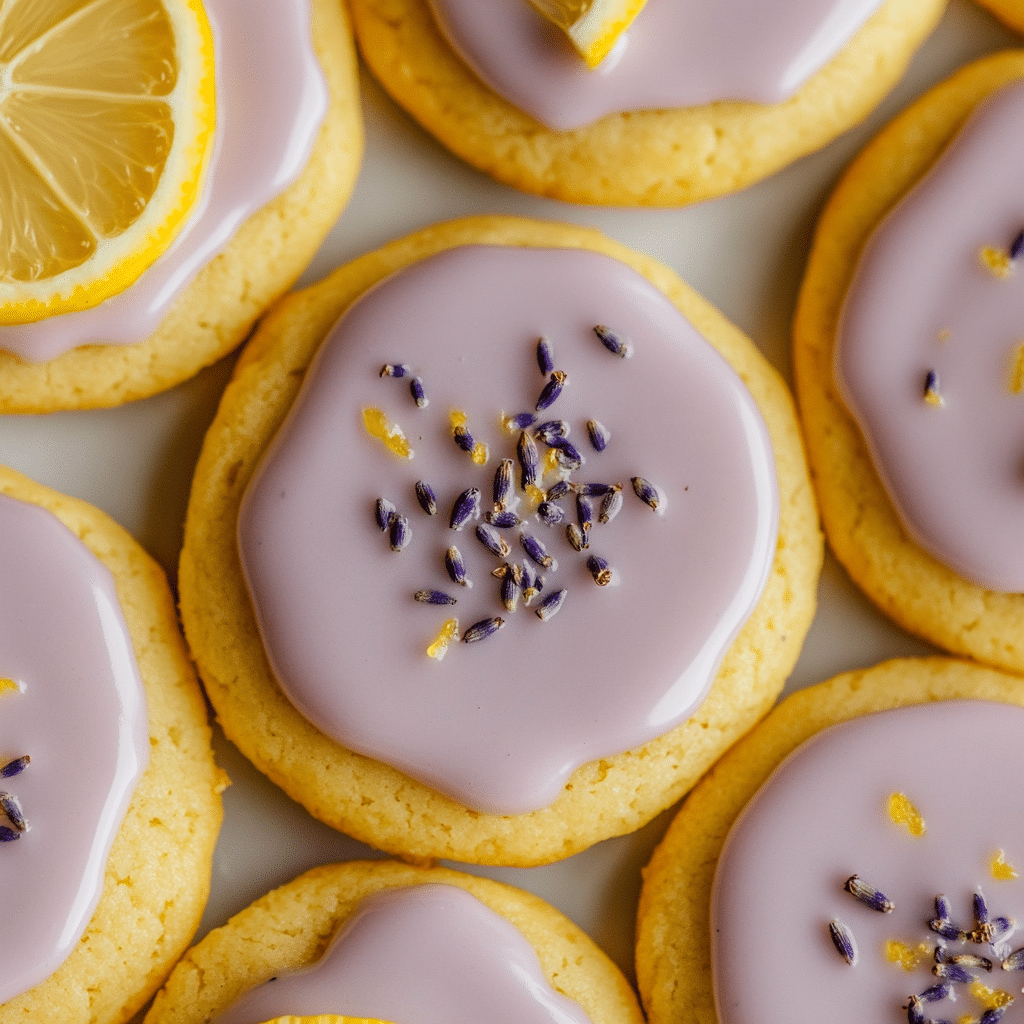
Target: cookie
[[423, 929], [885, 893], [111, 798], [241, 250], [553, 757], [947, 361], [715, 135]]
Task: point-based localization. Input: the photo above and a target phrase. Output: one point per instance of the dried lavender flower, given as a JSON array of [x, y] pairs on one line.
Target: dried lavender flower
[[842, 939], [492, 540], [868, 895], [536, 550], [576, 537], [611, 504], [503, 488], [482, 629], [466, 507], [419, 395], [400, 533], [613, 342], [600, 570], [456, 567], [551, 605], [8, 835], [395, 370], [550, 430], [14, 767], [545, 356], [384, 512], [434, 597], [648, 493], [426, 497], [556, 382], [529, 460], [503, 520], [599, 435], [550, 513], [10, 805]]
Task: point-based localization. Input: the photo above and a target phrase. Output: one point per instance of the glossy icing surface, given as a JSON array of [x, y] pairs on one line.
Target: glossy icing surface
[[674, 55], [427, 954], [77, 709], [266, 127], [824, 816], [501, 723], [924, 301]]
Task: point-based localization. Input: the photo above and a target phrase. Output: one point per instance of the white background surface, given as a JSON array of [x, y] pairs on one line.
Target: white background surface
[[745, 253]]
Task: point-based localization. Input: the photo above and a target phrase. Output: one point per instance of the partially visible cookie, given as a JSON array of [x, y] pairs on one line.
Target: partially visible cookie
[[650, 157], [428, 931], [1010, 11], [481, 758], [117, 352], [78, 731], [934, 325], [749, 909]]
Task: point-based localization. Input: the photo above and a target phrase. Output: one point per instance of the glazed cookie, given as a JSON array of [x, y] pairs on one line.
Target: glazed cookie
[[270, 197], [907, 343], [400, 943], [588, 541], [1009, 11], [503, 90], [836, 864], [111, 800]]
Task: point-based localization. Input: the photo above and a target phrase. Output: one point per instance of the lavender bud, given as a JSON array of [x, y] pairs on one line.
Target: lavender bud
[[537, 551], [384, 512], [8, 835], [611, 503], [12, 808], [419, 395], [599, 435], [456, 567], [395, 370], [433, 597], [529, 461], [466, 507], [648, 493], [611, 341], [483, 629], [551, 605], [868, 895], [545, 357], [553, 388], [576, 537], [426, 497], [600, 570], [15, 767], [550, 513], [551, 429], [503, 484], [842, 939], [492, 540], [503, 520], [400, 533]]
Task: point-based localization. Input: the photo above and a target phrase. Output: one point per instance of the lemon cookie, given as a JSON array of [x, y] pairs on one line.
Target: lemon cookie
[[842, 861], [536, 497], [266, 170], [739, 91], [906, 343], [110, 799], [397, 942]]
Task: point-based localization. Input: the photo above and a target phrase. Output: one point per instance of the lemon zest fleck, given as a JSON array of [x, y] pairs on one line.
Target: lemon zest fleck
[[996, 262], [377, 425], [479, 454], [1001, 870], [9, 685], [990, 999], [903, 812], [906, 956], [1017, 370], [449, 631]]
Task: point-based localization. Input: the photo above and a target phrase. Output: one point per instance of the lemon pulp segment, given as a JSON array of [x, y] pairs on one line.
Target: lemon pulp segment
[[593, 26], [106, 125]]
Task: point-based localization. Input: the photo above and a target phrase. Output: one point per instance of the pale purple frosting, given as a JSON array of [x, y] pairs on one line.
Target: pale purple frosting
[[79, 713], [500, 724], [923, 301], [425, 954], [823, 817], [267, 124], [675, 54]]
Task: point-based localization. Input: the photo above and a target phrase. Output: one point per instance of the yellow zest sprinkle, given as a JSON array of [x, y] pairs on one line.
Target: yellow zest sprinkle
[[534, 494], [965, 1018], [377, 425], [932, 397], [457, 418], [903, 812], [1017, 370], [996, 262], [906, 956], [449, 631], [551, 463], [7, 685], [945, 334], [990, 999], [1001, 870], [479, 453]]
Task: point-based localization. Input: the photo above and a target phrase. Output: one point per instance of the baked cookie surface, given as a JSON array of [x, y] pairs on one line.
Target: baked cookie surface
[[290, 928], [642, 158], [379, 804], [157, 874], [881, 819], [861, 523], [218, 307]]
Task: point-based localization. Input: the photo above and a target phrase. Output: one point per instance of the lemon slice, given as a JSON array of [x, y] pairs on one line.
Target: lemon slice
[[593, 26], [106, 125]]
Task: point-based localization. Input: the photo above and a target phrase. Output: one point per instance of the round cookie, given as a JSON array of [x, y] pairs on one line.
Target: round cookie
[[642, 158], [674, 938], [291, 927], [1009, 11], [218, 307], [375, 802], [860, 521], [157, 874]]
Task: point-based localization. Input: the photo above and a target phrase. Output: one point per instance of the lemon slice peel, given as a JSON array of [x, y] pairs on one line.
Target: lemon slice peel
[[592, 26]]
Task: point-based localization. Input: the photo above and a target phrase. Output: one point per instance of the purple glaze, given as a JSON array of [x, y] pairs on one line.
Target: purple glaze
[[500, 724], [425, 954], [80, 713], [675, 54], [823, 816], [922, 300], [266, 127]]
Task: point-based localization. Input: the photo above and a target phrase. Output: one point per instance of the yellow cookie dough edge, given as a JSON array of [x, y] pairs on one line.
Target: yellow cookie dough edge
[[642, 158], [158, 873], [862, 528], [673, 929], [1010, 12], [367, 799], [290, 928], [218, 309]]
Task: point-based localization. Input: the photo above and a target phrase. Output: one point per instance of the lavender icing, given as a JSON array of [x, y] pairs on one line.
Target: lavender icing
[[822, 817], [419, 955], [78, 710], [266, 127], [674, 55], [924, 301], [499, 725]]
